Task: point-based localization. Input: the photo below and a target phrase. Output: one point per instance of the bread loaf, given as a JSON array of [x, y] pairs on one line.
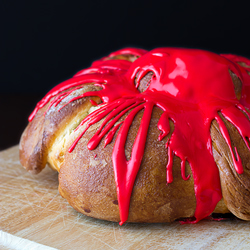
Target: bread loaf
[[148, 136]]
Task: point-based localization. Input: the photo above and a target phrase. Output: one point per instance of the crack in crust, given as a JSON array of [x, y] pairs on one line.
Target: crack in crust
[[44, 138]]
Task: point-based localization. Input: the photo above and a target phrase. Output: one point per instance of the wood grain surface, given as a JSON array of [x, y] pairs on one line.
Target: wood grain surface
[[33, 212]]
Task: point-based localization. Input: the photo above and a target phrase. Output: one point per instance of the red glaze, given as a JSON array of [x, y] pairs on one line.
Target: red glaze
[[191, 87]]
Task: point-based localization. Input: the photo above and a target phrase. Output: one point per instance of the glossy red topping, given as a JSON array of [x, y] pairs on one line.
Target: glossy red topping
[[191, 87]]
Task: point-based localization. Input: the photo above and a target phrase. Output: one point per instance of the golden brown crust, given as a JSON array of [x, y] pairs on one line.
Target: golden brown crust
[[39, 136], [88, 183], [127, 57], [237, 84], [235, 187], [31, 151]]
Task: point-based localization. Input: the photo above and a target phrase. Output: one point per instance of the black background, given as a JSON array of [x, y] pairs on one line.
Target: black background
[[45, 42]]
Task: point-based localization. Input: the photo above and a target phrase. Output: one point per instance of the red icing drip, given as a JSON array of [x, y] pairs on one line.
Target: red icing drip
[[169, 165], [93, 103], [163, 126], [111, 134], [191, 87], [126, 171], [237, 162], [183, 168]]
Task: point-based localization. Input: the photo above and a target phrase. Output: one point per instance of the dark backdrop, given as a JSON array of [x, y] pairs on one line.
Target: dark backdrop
[[46, 42]]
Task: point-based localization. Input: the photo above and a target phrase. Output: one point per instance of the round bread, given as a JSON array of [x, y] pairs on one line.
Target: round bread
[[166, 169]]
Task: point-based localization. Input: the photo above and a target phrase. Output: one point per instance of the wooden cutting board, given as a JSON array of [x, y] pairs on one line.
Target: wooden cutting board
[[33, 215]]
